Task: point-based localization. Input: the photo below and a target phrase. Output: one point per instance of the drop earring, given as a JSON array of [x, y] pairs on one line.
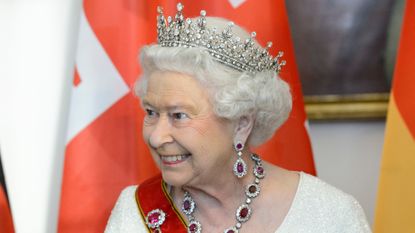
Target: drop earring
[[239, 167]]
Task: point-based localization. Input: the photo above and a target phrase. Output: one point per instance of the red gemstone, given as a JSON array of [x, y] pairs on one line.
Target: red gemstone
[[230, 231], [154, 218], [157, 231], [240, 168], [193, 227], [239, 146], [252, 189], [186, 205], [244, 212], [260, 170]]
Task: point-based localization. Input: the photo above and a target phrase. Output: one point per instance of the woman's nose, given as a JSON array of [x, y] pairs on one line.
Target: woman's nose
[[161, 133]]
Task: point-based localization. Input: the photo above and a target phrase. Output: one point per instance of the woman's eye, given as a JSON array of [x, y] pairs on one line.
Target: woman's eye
[[150, 112], [179, 116]]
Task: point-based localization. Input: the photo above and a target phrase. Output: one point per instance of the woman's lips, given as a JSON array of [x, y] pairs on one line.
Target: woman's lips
[[173, 159]]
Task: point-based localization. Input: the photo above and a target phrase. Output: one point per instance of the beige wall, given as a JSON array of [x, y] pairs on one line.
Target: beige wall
[[347, 155]]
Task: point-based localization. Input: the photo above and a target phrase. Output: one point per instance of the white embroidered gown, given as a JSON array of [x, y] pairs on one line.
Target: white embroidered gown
[[317, 208]]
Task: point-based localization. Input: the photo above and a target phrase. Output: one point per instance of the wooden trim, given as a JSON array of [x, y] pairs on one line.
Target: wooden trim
[[345, 107]]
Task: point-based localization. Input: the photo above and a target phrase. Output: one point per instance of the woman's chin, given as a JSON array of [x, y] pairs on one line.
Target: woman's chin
[[175, 178]]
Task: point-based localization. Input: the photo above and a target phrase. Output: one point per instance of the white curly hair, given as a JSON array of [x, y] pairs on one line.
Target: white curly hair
[[234, 94]]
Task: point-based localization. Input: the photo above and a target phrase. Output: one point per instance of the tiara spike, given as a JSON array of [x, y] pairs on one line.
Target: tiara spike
[[161, 23], [179, 15], [201, 22], [189, 21], [223, 46], [227, 32], [179, 7], [160, 10]]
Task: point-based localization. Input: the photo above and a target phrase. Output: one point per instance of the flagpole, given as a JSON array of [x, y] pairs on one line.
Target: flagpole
[[37, 59]]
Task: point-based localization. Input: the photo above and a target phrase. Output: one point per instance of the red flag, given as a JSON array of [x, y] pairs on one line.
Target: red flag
[[105, 150]]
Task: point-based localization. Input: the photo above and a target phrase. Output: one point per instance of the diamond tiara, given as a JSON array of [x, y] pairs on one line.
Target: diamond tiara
[[223, 46]]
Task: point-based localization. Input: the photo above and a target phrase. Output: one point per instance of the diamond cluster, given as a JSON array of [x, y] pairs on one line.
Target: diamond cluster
[[155, 218], [223, 46]]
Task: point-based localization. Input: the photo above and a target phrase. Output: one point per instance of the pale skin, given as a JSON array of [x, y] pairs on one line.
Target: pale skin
[[180, 123]]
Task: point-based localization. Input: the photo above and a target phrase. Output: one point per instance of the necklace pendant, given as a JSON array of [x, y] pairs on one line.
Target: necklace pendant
[[259, 171], [243, 213], [239, 168], [194, 227], [188, 205], [252, 190]]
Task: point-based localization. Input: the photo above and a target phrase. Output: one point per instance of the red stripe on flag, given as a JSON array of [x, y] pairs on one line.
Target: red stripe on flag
[[404, 77]]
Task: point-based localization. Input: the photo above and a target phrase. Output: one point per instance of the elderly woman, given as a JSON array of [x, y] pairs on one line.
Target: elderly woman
[[210, 92]]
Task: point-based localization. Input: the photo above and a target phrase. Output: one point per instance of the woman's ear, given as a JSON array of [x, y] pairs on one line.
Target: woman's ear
[[243, 128]]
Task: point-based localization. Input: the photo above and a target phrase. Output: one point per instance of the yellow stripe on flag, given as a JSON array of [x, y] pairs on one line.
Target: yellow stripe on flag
[[395, 210]]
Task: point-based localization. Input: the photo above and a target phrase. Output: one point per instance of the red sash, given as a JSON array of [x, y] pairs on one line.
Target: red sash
[[151, 195]]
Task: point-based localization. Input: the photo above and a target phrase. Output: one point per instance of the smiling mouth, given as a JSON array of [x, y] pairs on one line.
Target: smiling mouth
[[174, 159]]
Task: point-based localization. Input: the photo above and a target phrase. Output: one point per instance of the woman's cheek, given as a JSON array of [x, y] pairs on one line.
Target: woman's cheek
[[146, 132], [204, 125], [199, 127]]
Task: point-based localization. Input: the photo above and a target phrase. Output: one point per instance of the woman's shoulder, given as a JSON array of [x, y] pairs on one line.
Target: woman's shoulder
[[128, 191], [125, 214], [318, 205], [126, 197], [318, 193]]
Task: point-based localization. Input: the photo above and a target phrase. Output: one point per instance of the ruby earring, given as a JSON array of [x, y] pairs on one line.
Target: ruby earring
[[239, 167]]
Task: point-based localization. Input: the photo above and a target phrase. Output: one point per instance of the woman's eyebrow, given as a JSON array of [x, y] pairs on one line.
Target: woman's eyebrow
[[178, 106], [172, 106], [145, 102]]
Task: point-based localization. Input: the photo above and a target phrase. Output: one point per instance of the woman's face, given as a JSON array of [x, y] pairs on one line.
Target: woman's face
[[190, 144]]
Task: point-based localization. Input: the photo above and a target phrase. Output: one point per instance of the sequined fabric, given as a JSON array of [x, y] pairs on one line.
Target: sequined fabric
[[125, 217], [317, 208]]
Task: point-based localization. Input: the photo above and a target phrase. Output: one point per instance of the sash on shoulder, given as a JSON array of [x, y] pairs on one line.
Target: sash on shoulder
[[152, 195]]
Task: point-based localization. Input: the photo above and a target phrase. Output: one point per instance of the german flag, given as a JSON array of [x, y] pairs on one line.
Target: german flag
[[6, 223], [396, 195]]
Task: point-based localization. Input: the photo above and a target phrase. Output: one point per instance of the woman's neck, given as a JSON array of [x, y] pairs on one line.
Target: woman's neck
[[221, 194]]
